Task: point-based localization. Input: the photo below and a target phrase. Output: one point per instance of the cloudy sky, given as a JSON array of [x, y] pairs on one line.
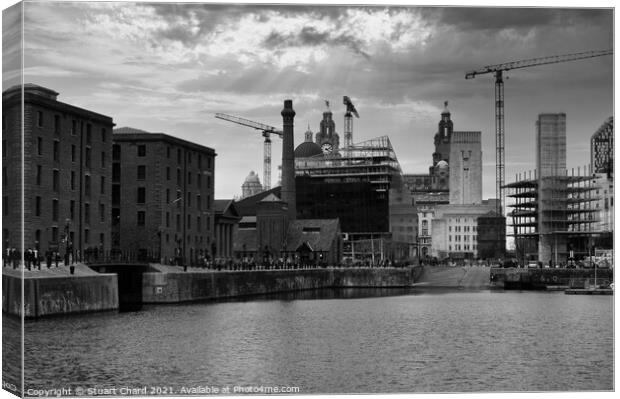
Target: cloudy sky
[[170, 67]]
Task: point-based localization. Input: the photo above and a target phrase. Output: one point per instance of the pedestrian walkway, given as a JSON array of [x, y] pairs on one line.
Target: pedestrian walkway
[[53, 271]]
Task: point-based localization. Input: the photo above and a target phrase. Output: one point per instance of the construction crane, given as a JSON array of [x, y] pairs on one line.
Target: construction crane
[[499, 104], [348, 121], [267, 131]]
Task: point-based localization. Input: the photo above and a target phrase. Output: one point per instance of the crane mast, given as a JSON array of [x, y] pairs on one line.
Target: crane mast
[[498, 70], [348, 121], [267, 131]]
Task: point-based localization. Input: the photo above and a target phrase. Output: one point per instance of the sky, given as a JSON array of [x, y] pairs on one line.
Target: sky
[[169, 67]]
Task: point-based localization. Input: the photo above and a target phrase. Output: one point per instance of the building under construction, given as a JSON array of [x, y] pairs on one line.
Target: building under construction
[[552, 217], [363, 186]]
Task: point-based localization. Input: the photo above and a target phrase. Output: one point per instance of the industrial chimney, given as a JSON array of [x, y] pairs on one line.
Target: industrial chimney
[[288, 159]]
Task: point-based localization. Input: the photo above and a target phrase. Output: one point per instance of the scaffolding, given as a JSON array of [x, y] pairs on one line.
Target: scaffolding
[[552, 216]]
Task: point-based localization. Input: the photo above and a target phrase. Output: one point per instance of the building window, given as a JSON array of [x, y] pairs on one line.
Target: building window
[[104, 134], [101, 212], [141, 172], [55, 234], [56, 180], [102, 239], [73, 127], [39, 118], [178, 222], [189, 222], [56, 150], [72, 210], [72, 152], [189, 200], [116, 152], [209, 163], [116, 172], [86, 236], [208, 181], [198, 202], [189, 158], [178, 176], [199, 180], [87, 157], [167, 196], [89, 133], [189, 177], [57, 124], [37, 206], [167, 219], [5, 176], [102, 185], [87, 185], [38, 175], [141, 218], [168, 152], [198, 223], [179, 156], [142, 150], [39, 145], [72, 180], [54, 210], [199, 161], [141, 195], [86, 213], [167, 172], [103, 159]]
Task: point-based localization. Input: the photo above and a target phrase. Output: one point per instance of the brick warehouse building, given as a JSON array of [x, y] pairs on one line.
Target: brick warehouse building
[[162, 197], [67, 173]]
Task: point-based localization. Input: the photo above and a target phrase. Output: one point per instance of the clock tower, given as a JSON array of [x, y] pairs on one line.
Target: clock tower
[[327, 138]]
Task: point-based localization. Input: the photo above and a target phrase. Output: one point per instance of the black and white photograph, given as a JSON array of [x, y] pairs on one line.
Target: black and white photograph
[[300, 199]]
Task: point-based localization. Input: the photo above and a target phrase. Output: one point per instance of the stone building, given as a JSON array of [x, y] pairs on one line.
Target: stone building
[[162, 196], [466, 168], [455, 230], [251, 185], [226, 222], [67, 169]]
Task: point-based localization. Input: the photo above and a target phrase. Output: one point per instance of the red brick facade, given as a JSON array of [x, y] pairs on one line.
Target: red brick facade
[[164, 195], [66, 164]]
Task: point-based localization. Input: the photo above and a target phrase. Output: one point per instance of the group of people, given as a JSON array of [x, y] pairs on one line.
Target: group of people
[[11, 257]]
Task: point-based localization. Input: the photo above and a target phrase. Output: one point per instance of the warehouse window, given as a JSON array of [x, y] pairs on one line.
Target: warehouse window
[[141, 195], [142, 150], [141, 218]]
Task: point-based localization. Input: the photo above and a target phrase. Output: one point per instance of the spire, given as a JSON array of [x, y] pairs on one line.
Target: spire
[[445, 108]]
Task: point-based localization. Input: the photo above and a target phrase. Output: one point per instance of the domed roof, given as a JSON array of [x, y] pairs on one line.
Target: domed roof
[[307, 149], [442, 164], [252, 178]]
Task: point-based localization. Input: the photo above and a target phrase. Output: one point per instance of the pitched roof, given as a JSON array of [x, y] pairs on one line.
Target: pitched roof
[[247, 206], [225, 208], [128, 130], [271, 198], [318, 234]]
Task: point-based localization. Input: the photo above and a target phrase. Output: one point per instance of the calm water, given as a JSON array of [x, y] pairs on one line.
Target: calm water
[[336, 341]]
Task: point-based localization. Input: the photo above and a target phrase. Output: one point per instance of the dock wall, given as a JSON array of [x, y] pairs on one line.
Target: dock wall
[[45, 296], [194, 286]]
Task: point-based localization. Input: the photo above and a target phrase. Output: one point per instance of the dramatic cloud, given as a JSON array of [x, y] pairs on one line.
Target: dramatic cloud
[[170, 66]]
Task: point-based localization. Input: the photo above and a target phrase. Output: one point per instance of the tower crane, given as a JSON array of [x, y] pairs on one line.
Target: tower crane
[[498, 70], [348, 121], [267, 131]]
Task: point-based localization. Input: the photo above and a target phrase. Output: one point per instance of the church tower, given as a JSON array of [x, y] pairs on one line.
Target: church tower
[[327, 138], [443, 137]]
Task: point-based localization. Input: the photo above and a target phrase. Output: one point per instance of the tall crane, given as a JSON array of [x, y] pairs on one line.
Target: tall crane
[[498, 70], [348, 121], [267, 131]]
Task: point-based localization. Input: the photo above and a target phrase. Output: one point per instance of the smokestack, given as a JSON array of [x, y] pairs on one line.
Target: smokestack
[[288, 159]]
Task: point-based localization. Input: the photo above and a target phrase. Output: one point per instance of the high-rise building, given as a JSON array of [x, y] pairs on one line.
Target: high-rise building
[[67, 169], [602, 148], [466, 168], [162, 196]]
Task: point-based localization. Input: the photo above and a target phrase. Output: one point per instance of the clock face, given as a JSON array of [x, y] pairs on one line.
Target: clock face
[[327, 148]]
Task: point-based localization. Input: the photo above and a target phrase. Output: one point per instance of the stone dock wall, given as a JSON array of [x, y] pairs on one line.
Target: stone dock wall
[[46, 296], [174, 287]]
